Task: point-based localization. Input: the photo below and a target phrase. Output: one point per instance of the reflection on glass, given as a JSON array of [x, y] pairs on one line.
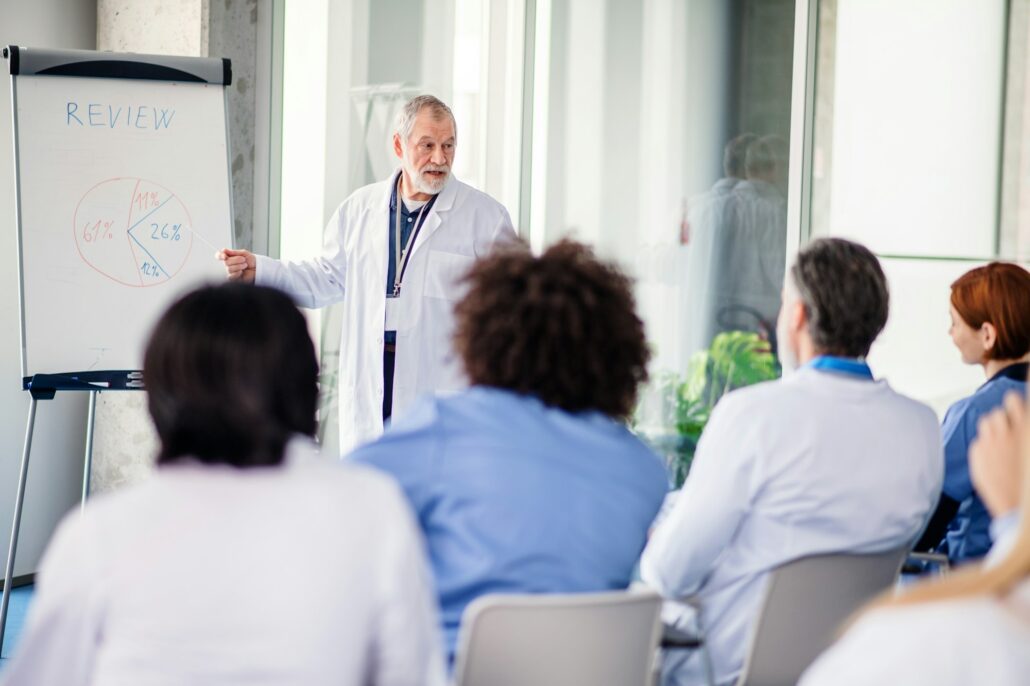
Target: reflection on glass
[[737, 234], [667, 125]]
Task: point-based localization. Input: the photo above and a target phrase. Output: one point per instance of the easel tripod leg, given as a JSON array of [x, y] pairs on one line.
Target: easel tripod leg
[[87, 467], [16, 524]]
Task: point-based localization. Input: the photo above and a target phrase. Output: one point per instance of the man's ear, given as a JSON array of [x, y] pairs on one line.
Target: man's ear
[[798, 317], [398, 149]]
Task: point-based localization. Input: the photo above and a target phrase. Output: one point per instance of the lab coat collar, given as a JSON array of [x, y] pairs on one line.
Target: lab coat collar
[[444, 202]]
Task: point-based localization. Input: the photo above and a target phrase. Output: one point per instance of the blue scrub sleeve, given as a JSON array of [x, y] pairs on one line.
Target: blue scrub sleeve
[[957, 435]]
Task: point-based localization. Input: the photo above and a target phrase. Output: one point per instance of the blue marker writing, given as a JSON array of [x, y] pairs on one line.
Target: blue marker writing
[[96, 114], [72, 109]]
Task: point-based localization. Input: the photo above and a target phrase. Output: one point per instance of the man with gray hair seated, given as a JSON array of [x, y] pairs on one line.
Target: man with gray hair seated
[[394, 253], [827, 459]]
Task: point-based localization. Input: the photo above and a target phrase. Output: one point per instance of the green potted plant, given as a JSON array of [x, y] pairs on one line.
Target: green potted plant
[[735, 359]]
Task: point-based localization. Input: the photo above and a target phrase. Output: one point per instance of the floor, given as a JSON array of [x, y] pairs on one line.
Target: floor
[[16, 611]]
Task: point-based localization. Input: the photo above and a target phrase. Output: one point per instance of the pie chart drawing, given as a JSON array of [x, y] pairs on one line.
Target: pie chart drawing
[[133, 231]]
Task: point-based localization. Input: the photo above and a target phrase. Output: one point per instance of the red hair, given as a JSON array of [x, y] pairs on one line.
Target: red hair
[[998, 293]]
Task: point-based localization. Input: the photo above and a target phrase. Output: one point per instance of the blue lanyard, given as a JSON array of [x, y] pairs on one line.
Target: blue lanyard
[[402, 255], [842, 365]]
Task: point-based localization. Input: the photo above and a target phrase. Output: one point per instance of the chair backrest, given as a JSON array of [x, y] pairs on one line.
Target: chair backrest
[[805, 605], [601, 639]]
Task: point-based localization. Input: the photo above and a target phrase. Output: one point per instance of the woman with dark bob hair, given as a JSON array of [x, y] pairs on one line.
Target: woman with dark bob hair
[[530, 481], [177, 580], [990, 327]]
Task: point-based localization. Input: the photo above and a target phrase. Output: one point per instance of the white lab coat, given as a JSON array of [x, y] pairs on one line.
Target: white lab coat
[[308, 573], [463, 224], [814, 463]]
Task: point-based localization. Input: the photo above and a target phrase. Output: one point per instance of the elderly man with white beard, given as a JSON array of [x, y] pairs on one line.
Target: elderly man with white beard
[[394, 254]]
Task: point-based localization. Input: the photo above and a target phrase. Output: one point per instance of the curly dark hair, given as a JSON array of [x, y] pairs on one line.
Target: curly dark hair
[[845, 294], [561, 327]]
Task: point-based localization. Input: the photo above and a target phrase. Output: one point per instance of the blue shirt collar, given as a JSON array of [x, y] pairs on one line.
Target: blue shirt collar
[[841, 365]]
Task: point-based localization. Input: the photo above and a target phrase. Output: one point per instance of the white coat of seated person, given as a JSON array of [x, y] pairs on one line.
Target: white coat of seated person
[[245, 557]]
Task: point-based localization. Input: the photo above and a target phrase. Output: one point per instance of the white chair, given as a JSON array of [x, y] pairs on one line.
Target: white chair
[[595, 639], [806, 603]]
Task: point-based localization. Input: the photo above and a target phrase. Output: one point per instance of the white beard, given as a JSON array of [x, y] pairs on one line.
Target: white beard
[[424, 184]]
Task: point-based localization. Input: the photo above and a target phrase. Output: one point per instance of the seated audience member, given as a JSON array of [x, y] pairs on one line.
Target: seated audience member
[[969, 627], [827, 459], [529, 481], [245, 558], [990, 325]]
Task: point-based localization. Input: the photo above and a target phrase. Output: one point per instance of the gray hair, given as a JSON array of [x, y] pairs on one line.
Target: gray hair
[[845, 295], [760, 158], [734, 154], [406, 117]]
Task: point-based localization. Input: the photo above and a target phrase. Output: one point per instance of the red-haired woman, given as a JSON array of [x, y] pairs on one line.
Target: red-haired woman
[[990, 325]]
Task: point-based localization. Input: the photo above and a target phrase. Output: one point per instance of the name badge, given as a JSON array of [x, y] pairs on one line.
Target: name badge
[[392, 314]]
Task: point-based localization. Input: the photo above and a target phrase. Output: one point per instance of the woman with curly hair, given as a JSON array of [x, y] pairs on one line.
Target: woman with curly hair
[[529, 481]]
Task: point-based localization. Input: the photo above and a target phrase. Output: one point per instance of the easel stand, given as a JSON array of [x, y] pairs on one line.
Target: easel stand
[[45, 387]]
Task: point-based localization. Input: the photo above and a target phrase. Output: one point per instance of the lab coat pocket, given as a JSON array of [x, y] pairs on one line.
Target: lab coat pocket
[[444, 271]]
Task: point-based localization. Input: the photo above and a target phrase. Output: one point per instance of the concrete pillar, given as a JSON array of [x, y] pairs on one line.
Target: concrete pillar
[[125, 442]]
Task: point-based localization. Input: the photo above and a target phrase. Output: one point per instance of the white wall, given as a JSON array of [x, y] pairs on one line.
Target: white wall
[[916, 128], [56, 468]]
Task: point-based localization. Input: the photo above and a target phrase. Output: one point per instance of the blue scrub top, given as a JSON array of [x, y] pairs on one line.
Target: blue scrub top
[[968, 536], [517, 497]]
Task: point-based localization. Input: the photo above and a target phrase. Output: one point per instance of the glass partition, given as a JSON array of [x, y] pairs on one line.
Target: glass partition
[[661, 131]]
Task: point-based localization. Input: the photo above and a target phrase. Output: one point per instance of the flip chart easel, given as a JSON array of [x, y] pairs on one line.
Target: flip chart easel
[[116, 156]]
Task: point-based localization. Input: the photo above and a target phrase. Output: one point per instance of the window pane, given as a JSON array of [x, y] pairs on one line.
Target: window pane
[[908, 124]]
